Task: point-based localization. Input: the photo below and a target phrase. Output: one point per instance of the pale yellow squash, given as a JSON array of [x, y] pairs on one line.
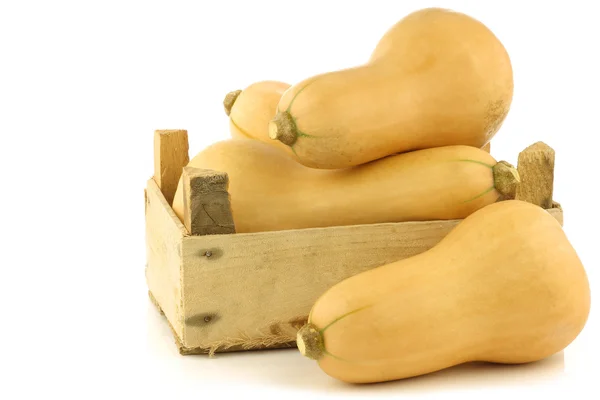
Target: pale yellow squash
[[251, 109], [436, 78], [270, 191], [505, 286]]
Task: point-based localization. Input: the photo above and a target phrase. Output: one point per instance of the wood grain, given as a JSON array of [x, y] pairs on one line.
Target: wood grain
[[164, 233], [206, 202], [171, 154], [536, 169], [252, 287]]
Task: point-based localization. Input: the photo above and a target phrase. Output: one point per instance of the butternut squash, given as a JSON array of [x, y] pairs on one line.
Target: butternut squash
[[436, 78], [270, 191], [504, 286], [251, 109]]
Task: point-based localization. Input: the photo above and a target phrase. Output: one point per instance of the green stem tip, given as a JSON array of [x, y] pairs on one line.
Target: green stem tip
[[230, 99], [283, 128], [506, 179], [310, 342]]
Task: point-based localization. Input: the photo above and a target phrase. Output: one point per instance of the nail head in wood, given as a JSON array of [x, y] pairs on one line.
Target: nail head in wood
[[536, 169], [207, 206]]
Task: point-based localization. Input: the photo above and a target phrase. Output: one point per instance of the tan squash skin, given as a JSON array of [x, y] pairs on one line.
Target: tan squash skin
[[436, 78], [504, 286], [251, 109], [270, 191]]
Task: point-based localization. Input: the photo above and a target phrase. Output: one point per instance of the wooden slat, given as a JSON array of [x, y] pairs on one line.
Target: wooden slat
[[206, 202], [164, 233], [536, 169], [171, 154], [254, 290]]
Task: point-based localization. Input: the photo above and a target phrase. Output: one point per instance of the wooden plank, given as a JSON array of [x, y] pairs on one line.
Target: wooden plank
[[254, 290], [536, 169], [206, 202], [171, 154], [164, 233]]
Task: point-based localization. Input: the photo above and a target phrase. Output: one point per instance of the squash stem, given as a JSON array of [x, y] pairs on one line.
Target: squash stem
[[283, 128], [310, 342], [230, 99], [506, 178]]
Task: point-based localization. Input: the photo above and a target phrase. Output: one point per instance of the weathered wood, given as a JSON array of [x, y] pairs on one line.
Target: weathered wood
[[254, 290], [206, 202], [164, 233], [536, 169], [171, 154]]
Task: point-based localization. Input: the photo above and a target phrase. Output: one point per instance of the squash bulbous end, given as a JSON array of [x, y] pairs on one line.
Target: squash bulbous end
[[506, 178], [283, 128], [310, 342], [230, 99]]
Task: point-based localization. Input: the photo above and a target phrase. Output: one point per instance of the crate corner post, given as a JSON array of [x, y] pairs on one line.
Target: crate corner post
[[171, 155], [164, 230], [206, 202], [207, 218], [536, 170]]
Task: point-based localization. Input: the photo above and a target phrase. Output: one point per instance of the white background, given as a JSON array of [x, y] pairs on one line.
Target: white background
[[83, 86]]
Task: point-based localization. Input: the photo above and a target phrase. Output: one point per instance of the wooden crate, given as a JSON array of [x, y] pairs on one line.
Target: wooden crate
[[222, 291]]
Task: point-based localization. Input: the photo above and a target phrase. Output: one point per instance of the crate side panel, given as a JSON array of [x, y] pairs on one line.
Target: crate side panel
[[257, 289], [247, 291], [164, 233]]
